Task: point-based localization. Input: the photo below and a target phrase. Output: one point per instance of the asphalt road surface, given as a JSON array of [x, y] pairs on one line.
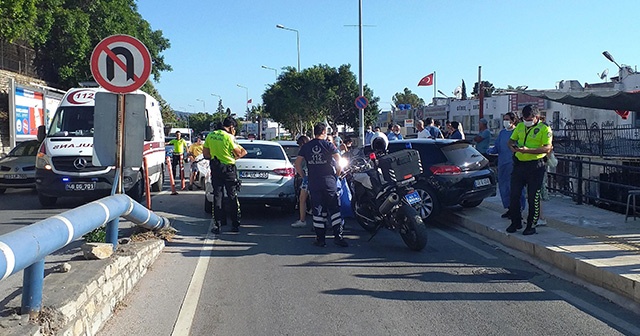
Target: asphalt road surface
[[269, 280]]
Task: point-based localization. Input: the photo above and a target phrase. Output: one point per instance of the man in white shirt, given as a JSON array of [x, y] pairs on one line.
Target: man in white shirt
[[422, 132]]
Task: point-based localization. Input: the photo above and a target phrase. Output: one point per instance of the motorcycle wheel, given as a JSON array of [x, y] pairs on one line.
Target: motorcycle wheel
[[358, 209], [412, 229]]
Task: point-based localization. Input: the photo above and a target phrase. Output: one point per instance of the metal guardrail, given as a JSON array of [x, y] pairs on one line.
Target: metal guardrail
[[621, 141], [587, 181], [26, 248]]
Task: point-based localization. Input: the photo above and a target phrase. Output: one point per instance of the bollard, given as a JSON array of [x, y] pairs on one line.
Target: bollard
[[171, 180], [182, 183], [32, 289], [147, 187]]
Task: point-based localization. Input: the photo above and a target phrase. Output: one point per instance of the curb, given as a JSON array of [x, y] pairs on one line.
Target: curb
[[594, 271], [81, 301]]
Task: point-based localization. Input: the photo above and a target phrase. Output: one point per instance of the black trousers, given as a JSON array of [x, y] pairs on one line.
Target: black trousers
[[175, 162], [528, 174], [225, 178]]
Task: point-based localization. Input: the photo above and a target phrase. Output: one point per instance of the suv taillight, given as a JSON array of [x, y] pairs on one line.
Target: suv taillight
[[445, 170], [287, 172]]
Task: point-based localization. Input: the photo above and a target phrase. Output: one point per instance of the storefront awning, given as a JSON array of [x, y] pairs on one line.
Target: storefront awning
[[600, 99]]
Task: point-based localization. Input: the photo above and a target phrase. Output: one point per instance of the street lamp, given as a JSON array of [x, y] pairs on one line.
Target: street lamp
[[247, 97], [275, 70], [215, 95], [297, 40], [204, 106]]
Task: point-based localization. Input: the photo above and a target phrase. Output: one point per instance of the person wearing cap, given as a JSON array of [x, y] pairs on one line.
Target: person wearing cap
[[222, 149], [193, 152], [530, 142], [483, 138]]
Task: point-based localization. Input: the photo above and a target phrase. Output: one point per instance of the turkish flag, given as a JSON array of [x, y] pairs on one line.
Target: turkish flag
[[249, 101], [426, 80], [623, 114]]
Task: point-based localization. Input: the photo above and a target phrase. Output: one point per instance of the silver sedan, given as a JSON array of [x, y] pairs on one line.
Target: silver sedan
[[17, 169]]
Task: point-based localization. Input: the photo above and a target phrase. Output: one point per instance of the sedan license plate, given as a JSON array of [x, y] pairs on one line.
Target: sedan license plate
[[482, 182], [412, 198], [80, 186], [15, 176], [254, 174]]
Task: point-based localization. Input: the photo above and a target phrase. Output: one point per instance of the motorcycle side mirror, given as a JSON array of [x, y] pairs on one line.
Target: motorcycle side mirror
[[372, 156]]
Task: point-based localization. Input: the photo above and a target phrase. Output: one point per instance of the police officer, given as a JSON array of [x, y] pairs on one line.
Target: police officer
[[179, 147], [322, 164], [530, 142], [223, 150]]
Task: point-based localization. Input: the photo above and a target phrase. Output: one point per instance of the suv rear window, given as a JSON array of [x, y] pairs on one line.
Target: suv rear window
[[429, 153], [265, 152]]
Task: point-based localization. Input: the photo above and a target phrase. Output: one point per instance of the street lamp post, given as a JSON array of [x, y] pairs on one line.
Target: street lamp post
[[268, 68], [297, 40], [204, 106]]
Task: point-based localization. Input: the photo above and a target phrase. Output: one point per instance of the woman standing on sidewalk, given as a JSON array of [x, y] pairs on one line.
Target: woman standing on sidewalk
[[505, 161]]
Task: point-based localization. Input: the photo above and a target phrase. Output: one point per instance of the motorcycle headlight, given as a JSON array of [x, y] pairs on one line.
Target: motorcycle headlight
[[343, 162]]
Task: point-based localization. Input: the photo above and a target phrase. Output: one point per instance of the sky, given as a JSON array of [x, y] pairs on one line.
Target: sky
[[217, 45]]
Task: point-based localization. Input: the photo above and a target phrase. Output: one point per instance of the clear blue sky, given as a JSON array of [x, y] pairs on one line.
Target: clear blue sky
[[216, 45]]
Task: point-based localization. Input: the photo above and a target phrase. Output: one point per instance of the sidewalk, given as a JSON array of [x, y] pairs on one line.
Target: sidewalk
[[593, 244]]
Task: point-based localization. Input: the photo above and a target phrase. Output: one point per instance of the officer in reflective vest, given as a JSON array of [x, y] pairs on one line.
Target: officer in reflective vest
[[530, 142], [222, 149]]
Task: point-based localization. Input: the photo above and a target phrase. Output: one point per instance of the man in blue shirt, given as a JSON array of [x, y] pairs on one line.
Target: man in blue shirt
[[395, 133], [483, 138], [432, 129], [322, 165]]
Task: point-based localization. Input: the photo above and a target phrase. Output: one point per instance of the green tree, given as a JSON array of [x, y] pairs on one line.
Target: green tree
[[487, 86], [300, 99], [66, 31], [407, 97]]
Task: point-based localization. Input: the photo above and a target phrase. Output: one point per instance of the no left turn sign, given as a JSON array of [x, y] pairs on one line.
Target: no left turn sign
[[120, 63]]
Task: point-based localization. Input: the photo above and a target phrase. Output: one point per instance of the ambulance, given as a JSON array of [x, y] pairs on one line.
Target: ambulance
[[64, 166]]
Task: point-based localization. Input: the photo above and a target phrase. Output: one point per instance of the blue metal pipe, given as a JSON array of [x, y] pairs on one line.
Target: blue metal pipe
[[23, 247], [32, 288]]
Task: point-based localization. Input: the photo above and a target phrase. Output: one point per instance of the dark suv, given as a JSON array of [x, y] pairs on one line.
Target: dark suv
[[454, 172]]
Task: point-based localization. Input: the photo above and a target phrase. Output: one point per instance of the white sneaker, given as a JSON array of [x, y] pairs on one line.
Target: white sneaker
[[541, 222], [298, 224]]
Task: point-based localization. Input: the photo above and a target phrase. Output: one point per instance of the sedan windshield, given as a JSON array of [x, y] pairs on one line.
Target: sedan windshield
[[260, 151], [27, 148]]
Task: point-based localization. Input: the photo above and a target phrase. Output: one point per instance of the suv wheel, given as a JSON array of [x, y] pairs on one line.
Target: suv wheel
[[429, 206]]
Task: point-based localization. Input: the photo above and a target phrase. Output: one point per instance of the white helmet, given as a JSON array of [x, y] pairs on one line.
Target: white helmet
[[379, 142]]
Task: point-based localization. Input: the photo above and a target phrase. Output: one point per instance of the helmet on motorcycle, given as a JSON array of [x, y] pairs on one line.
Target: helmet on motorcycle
[[379, 142]]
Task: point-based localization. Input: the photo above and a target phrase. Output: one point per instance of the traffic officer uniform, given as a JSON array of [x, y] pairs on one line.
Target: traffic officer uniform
[[179, 146], [528, 170], [323, 192], [223, 175]]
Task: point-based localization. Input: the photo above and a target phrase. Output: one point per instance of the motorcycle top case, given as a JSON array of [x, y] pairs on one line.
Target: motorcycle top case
[[401, 165]]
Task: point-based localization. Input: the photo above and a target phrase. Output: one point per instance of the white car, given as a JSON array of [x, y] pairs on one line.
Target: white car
[[18, 168], [266, 175]]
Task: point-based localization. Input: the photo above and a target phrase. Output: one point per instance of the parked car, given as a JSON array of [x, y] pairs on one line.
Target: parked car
[[266, 174], [18, 168], [291, 148], [454, 173]]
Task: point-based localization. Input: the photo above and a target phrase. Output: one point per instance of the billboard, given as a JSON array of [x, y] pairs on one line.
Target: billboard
[[29, 109]]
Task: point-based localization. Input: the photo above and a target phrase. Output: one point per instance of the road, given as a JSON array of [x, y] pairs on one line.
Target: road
[[269, 280]]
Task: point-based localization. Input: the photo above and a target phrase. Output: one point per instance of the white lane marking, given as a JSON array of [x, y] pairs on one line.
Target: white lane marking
[[66, 222], [464, 244], [190, 302], [10, 258], [633, 330]]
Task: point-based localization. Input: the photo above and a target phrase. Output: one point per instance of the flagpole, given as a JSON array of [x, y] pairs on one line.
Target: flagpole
[[434, 86]]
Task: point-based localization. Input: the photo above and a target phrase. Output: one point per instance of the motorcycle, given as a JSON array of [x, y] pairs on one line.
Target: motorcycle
[[382, 194]]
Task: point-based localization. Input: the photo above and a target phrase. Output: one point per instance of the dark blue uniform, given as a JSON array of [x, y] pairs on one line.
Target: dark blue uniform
[[323, 187]]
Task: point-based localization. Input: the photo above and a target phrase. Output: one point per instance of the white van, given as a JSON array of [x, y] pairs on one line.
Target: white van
[[64, 162]]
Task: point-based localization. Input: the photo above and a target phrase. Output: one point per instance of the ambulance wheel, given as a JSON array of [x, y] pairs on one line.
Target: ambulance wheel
[[158, 185]]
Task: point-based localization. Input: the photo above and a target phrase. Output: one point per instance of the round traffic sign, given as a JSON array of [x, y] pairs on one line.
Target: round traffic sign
[[120, 63], [362, 102]]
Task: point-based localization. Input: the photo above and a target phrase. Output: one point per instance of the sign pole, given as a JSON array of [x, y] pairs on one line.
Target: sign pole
[[120, 144]]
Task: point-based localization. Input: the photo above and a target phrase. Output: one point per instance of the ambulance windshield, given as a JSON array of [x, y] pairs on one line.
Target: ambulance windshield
[[72, 121]]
